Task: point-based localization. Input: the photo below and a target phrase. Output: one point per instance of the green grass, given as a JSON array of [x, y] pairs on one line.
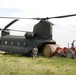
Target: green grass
[[12, 64]]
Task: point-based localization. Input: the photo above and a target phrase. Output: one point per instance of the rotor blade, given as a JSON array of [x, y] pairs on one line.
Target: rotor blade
[[10, 23], [12, 30], [16, 30], [62, 16], [18, 18]]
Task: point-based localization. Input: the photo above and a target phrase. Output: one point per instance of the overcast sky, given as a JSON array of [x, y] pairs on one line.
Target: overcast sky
[[64, 30]]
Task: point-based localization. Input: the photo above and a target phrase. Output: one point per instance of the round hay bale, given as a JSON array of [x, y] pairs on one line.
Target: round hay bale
[[49, 50]]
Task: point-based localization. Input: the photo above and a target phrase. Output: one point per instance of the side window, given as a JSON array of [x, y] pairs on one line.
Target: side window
[[5, 42], [18, 43], [12, 43], [24, 44]]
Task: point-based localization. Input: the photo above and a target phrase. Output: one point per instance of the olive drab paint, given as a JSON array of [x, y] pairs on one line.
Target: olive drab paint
[[42, 34]]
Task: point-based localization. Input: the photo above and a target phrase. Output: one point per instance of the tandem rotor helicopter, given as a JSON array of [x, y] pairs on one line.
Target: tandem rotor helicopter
[[41, 36]]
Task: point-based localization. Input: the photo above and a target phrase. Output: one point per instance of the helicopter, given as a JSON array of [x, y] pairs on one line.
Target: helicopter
[[41, 36]]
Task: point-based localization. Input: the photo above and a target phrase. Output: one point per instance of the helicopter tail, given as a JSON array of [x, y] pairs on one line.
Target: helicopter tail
[[43, 29]]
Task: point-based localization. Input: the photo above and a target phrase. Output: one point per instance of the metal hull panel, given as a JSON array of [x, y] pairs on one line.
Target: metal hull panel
[[15, 49]]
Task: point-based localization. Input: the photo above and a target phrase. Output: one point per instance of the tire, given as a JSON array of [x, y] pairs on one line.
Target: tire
[[70, 54]]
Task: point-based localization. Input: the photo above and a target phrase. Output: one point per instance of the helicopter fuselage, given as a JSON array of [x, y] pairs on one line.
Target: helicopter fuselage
[[41, 35], [20, 44]]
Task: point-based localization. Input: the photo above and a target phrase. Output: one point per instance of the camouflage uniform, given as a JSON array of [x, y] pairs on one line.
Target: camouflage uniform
[[35, 51]]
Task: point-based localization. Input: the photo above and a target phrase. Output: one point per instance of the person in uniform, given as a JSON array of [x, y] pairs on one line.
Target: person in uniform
[[35, 51]]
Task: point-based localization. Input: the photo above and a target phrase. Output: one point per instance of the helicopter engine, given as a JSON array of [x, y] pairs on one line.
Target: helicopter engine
[[29, 35], [5, 32]]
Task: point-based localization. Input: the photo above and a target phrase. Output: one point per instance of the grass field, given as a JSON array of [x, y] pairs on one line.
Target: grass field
[[12, 64]]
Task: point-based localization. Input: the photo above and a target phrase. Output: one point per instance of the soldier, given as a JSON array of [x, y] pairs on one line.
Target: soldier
[[35, 51]]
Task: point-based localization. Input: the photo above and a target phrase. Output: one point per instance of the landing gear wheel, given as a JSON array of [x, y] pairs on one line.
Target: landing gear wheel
[[70, 54], [47, 51]]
